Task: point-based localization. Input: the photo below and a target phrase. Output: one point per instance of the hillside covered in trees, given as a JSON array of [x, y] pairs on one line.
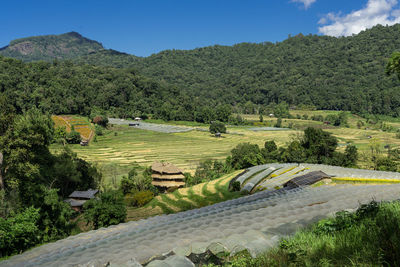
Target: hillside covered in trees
[[346, 73]]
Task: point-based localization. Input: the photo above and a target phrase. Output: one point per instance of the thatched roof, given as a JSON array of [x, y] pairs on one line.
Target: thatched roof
[[165, 168], [89, 194], [168, 176], [307, 179], [168, 183]]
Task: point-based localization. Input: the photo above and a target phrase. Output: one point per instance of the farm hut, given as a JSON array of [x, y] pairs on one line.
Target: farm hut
[[138, 119], [84, 143], [306, 179], [166, 175], [78, 198], [217, 134]]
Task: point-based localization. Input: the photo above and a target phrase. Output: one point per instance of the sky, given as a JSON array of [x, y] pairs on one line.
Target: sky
[[144, 27]]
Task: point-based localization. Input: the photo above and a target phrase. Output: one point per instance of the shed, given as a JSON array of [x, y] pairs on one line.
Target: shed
[[217, 134], [75, 204], [78, 198], [84, 143], [166, 175], [306, 179], [138, 119]]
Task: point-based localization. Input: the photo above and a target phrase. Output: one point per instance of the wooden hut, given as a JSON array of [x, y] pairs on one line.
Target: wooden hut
[[78, 198], [166, 175]]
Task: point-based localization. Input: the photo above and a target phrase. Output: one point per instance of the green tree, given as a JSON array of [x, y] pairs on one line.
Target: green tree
[[19, 232], [108, 209], [73, 137], [217, 127], [281, 110], [318, 144], [55, 215], [223, 112], [26, 154], [245, 155], [393, 65]]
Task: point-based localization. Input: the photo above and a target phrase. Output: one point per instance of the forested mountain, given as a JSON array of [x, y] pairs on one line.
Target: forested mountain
[[346, 73], [66, 88], [50, 47]]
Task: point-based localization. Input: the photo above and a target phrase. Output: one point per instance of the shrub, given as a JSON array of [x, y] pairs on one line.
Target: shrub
[[19, 232], [108, 209], [245, 155], [100, 120], [98, 130], [142, 198], [217, 127], [278, 123], [235, 186], [73, 137]]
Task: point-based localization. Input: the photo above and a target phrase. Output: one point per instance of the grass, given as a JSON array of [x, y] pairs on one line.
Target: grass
[[121, 146], [197, 196], [368, 237]]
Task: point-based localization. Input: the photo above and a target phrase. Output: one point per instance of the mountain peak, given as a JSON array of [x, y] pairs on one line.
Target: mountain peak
[[49, 47]]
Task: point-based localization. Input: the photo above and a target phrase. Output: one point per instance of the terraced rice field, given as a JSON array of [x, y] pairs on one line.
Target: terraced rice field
[[122, 145], [183, 199], [81, 125]]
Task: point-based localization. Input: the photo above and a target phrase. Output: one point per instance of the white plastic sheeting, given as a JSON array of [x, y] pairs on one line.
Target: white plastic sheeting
[[163, 128], [253, 222]]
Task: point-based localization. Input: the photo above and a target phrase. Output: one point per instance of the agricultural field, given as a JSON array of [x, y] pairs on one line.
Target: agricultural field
[[188, 198], [80, 124], [121, 145]]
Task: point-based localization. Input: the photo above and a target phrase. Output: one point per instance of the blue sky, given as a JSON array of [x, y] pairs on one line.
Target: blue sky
[[149, 26]]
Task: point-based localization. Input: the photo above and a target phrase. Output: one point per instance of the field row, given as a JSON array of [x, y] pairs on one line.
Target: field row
[[80, 125]]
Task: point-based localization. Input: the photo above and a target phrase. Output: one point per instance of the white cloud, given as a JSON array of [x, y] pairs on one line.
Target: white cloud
[[307, 3], [376, 12]]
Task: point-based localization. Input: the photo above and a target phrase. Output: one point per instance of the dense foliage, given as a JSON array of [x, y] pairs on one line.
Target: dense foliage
[[107, 210], [217, 127], [314, 146], [346, 73], [34, 181]]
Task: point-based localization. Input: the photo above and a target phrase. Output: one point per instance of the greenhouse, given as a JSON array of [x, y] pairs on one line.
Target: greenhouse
[[254, 223]]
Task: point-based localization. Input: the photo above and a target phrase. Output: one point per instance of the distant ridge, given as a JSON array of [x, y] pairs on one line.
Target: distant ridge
[[49, 47]]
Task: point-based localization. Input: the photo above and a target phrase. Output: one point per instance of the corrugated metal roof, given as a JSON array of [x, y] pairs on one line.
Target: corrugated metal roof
[[89, 194], [75, 202], [307, 179]]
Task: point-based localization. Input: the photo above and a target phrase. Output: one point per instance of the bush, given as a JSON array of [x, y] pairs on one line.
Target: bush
[[19, 232], [278, 123], [107, 210], [235, 186], [136, 182], [98, 130], [245, 155], [217, 127], [142, 198], [100, 120], [73, 137]]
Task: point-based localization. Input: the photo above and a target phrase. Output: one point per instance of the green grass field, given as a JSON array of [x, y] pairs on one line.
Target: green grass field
[[122, 145]]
